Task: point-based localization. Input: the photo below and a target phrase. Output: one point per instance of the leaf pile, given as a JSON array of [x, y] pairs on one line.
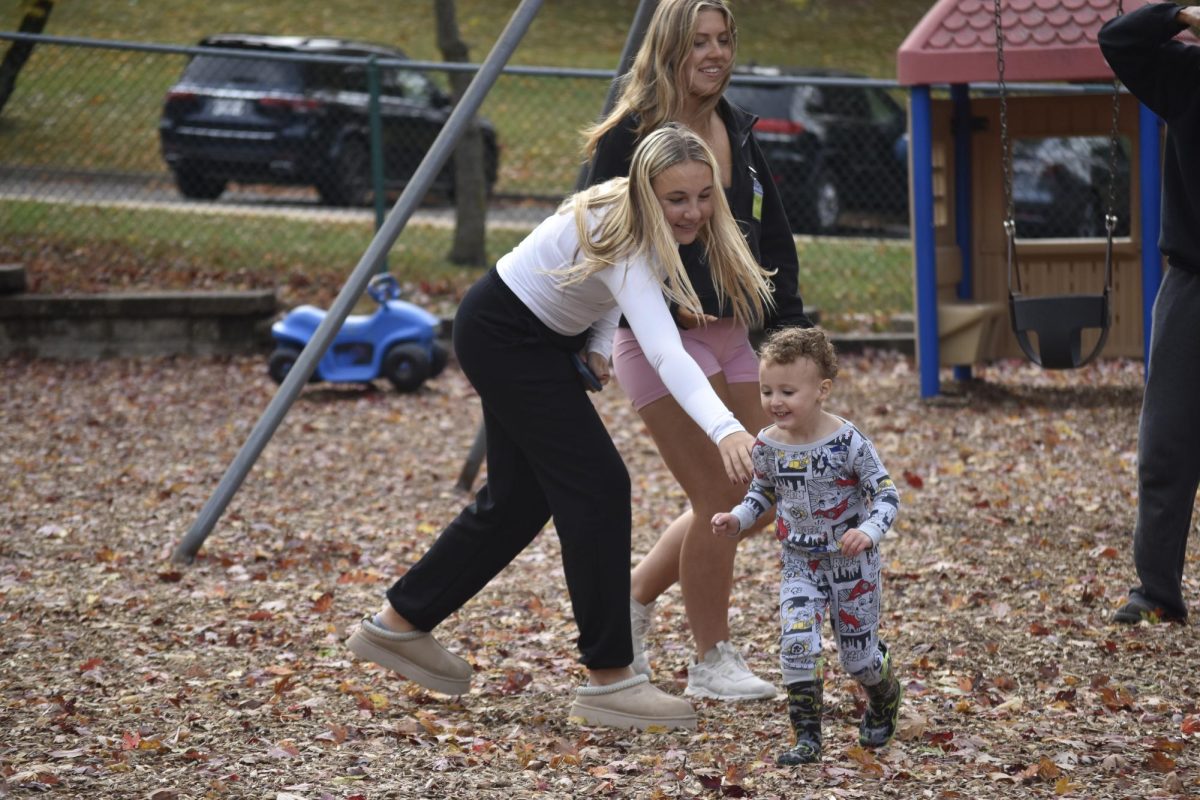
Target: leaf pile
[[123, 675]]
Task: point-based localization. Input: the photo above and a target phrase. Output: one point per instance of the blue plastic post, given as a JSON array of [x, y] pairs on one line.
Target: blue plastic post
[[1150, 155], [961, 97], [921, 122]]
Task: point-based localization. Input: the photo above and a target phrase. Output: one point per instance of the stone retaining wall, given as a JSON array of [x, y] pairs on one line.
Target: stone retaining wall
[[82, 326]]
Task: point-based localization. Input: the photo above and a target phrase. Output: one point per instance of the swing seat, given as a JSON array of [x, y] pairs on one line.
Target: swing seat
[[1058, 321]]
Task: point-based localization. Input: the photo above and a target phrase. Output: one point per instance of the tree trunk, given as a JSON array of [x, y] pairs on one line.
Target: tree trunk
[[470, 185], [34, 14]]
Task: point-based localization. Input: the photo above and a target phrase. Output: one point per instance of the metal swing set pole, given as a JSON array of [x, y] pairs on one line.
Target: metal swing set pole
[[637, 32], [375, 253]]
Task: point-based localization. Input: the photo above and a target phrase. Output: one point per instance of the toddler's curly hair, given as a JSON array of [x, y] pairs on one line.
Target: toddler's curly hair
[[787, 345]]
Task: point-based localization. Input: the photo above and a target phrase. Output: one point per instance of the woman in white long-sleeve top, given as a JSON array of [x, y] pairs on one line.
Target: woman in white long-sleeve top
[[611, 250]]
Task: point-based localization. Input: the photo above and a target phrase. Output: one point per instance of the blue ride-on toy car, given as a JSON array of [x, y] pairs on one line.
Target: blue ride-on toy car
[[397, 342]]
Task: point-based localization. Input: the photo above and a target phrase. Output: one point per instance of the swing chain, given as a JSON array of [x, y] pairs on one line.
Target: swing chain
[[1005, 144], [1110, 216]]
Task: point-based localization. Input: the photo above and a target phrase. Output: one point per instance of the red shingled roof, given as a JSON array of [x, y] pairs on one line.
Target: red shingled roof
[[1044, 40]]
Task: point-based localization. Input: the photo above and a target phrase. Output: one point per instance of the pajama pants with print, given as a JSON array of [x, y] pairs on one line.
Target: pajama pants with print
[[849, 591]]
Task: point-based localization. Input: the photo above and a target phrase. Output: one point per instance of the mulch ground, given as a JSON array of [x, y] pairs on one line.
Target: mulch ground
[[124, 675]]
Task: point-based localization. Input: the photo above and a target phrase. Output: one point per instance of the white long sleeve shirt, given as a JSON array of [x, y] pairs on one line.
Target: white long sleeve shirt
[[533, 271]]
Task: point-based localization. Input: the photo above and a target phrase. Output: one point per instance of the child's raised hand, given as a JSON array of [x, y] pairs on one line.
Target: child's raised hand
[[855, 542], [725, 524]]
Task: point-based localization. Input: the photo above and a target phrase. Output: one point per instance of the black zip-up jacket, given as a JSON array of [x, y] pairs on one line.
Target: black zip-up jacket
[[1165, 76], [769, 237]]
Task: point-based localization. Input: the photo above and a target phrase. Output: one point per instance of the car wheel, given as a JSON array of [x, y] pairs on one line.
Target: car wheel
[[348, 182], [194, 184], [281, 362], [406, 366], [816, 211], [441, 356], [827, 205]]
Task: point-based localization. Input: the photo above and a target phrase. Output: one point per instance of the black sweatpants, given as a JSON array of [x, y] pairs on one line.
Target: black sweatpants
[[1169, 443], [548, 455]]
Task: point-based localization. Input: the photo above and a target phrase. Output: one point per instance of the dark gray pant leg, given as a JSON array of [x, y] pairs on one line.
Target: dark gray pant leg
[[1169, 443]]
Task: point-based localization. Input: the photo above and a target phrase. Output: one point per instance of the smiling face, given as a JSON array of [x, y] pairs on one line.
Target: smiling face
[[685, 193], [708, 62], [793, 395]]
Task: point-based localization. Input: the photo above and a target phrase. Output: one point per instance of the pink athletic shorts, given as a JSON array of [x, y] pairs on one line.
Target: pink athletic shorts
[[721, 346]]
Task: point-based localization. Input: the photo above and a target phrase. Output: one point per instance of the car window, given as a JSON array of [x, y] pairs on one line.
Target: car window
[[845, 102], [768, 102], [881, 108], [412, 86], [338, 77], [222, 71]]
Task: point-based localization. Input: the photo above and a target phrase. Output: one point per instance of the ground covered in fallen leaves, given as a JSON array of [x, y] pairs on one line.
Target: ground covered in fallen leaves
[[123, 675]]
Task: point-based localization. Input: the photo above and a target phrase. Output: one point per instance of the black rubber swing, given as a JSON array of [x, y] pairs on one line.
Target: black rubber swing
[[1058, 320]]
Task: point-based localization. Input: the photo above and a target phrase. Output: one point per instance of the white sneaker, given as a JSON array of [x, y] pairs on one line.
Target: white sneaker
[[640, 617], [723, 675]]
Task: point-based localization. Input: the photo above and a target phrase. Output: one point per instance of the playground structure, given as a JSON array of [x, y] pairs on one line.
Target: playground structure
[[957, 185]]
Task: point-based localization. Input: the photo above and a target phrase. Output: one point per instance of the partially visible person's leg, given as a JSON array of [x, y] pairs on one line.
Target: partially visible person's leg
[[492, 345], [855, 605], [509, 511], [1168, 451], [659, 569], [803, 602], [723, 351], [705, 560]]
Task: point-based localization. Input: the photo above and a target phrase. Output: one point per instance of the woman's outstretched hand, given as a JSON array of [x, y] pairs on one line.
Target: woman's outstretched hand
[[735, 454], [599, 367]]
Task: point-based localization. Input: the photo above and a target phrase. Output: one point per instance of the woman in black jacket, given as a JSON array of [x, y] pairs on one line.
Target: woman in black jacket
[[679, 75]]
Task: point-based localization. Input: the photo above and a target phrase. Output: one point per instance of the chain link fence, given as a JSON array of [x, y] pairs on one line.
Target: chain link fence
[[260, 167]]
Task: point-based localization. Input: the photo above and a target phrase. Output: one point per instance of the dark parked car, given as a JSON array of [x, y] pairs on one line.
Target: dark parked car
[[1060, 187], [232, 118], [833, 149]]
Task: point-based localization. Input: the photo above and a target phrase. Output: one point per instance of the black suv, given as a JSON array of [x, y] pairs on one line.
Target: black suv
[[254, 120], [834, 150]]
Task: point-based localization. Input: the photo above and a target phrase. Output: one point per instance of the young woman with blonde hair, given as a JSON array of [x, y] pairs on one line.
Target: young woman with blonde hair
[[611, 250], [680, 74]]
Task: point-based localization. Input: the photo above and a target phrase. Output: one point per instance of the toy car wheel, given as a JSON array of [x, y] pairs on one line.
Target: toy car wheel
[[281, 362], [441, 355], [406, 366]]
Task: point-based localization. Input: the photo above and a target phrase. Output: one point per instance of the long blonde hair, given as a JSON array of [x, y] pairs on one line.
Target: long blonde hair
[[654, 86], [632, 225]]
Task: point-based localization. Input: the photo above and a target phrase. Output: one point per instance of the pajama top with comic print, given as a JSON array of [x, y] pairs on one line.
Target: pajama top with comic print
[[820, 490]]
